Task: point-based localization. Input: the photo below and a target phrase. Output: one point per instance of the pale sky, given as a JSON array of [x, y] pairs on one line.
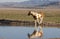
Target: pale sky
[[12, 0]]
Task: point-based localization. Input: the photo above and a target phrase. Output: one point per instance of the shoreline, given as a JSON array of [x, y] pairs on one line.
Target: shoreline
[[53, 38], [4, 22]]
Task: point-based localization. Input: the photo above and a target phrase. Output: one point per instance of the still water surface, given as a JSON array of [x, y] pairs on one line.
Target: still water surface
[[9, 32]]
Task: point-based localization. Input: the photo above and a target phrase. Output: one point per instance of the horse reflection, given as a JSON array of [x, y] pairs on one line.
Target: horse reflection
[[38, 33]]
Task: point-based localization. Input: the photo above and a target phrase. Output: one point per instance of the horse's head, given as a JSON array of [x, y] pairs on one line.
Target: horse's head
[[33, 14], [29, 13]]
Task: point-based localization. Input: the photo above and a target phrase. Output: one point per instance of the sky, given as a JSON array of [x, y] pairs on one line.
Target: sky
[[12, 0]]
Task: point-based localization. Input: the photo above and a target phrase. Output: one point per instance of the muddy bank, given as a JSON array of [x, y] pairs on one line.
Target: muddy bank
[[53, 38], [4, 22]]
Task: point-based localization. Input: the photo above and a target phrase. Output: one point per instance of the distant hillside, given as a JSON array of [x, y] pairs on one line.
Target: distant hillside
[[31, 3]]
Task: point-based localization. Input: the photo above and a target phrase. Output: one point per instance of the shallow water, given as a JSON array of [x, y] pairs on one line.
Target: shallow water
[[9, 32]]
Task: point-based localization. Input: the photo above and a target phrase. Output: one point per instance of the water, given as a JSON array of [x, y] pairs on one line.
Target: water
[[9, 32]]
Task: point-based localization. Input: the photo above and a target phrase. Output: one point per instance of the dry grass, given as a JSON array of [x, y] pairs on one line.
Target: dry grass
[[51, 15]]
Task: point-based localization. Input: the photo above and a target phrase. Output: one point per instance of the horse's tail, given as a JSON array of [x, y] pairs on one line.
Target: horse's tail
[[42, 13]]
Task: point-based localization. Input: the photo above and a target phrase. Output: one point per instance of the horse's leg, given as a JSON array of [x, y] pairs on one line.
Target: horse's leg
[[35, 25], [40, 20]]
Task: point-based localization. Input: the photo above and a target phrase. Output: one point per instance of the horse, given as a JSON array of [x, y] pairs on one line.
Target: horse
[[38, 17]]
